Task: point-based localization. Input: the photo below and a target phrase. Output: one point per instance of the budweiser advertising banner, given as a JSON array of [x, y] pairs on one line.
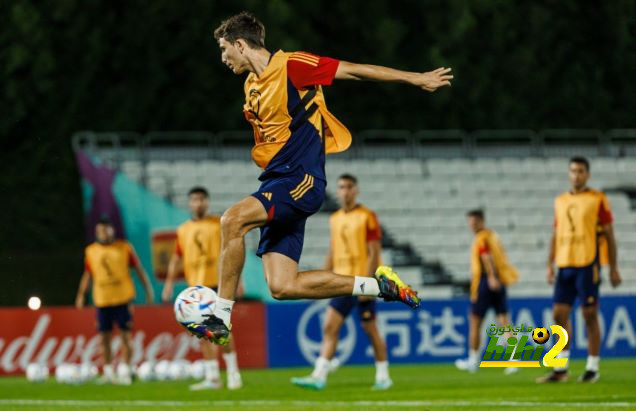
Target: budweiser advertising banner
[[65, 334]]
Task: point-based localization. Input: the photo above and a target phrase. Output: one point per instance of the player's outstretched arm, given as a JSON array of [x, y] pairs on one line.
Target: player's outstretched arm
[[429, 81]]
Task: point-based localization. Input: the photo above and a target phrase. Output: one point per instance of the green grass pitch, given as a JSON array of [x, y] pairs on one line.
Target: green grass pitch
[[417, 387]]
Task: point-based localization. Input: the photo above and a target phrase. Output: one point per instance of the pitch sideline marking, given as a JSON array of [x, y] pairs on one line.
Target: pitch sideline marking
[[414, 403]]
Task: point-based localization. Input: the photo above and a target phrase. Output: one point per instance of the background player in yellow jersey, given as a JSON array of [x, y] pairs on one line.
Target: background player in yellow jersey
[[355, 248], [107, 263], [580, 215], [491, 273], [198, 248], [293, 131]]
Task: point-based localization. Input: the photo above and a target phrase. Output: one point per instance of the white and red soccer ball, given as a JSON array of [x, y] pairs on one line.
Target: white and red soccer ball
[[194, 304]]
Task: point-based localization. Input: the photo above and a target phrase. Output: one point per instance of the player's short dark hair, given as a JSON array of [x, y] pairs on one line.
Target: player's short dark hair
[[581, 160], [199, 190], [477, 212], [104, 219], [350, 177], [242, 26]]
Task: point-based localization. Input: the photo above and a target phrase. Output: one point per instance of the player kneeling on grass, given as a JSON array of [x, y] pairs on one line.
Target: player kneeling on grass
[[491, 274], [107, 263], [198, 247], [293, 132], [355, 248]]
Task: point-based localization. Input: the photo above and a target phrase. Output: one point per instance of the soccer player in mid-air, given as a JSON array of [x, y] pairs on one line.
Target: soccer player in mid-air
[[107, 264], [293, 130], [354, 249], [198, 248], [579, 215], [491, 274]]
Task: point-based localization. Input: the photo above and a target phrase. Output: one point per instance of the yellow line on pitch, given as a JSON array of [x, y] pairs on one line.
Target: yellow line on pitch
[[509, 364]]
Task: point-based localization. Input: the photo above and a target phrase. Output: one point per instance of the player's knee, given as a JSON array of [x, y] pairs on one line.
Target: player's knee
[[331, 330], [560, 316], [231, 223], [590, 315], [280, 290], [368, 326]]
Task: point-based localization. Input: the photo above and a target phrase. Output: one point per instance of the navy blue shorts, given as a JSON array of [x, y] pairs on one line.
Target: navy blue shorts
[[487, 298], [583, 282], [119, 314], [344, 305], [289, 201]]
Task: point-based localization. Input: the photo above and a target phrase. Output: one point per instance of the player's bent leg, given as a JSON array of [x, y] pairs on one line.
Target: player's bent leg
[[286, 283], [236, 222]]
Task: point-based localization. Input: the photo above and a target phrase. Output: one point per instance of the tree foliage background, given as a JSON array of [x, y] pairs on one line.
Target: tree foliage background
[[70, 65]]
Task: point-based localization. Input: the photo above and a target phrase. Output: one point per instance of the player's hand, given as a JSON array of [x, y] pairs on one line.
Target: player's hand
[[494, 284], [432, 80], [549, 275], [364, 298], [79, 302], [166, 294], [615, 277]]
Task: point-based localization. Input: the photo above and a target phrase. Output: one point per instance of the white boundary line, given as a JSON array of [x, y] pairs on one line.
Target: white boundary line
[[297, 403]]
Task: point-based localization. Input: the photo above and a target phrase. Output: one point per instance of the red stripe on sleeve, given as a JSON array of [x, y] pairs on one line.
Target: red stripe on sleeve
[[303, 74], [604, 214], [374, 231], [133, 261], [483, 247]]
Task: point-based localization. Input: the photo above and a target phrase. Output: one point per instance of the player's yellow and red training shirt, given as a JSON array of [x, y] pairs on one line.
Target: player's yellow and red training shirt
[[199, 243], [351, 231], [576, 220], [488, 242], [109, 266], [288, 131]]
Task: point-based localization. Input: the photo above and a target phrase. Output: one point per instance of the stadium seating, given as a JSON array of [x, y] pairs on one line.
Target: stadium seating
[[423, 203]]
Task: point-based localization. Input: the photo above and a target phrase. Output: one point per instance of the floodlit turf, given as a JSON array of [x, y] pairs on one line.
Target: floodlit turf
[[417, 387]]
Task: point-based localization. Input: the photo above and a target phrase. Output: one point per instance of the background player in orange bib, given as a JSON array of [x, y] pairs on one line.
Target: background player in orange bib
[[355, 248], [293, 131], [580, 215], [107, 263], [491, 274], [198, 248]]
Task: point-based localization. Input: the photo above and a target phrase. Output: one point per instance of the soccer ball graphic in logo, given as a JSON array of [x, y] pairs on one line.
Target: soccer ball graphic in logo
[[540, 335], [194, 304]]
